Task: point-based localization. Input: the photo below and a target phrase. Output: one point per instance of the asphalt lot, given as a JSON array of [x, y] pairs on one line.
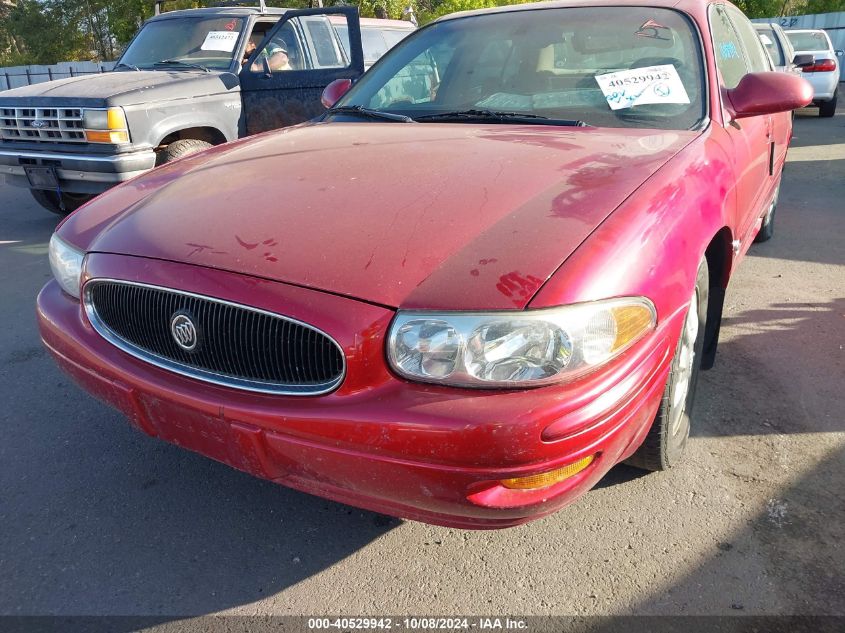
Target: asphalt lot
[[96, 518]]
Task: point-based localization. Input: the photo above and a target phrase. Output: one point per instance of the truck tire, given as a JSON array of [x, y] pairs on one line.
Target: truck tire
[[50, 200], [180, 149], [664, 445], [828, 108]]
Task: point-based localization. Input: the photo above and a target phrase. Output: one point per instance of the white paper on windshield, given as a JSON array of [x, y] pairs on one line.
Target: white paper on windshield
[[642, 86], [220, 41]]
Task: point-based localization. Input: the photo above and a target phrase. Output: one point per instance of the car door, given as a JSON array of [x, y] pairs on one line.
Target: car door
[[277, 93], [751, 137]]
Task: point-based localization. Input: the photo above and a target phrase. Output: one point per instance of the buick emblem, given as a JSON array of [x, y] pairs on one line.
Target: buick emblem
[[184, 332], [38, 123]]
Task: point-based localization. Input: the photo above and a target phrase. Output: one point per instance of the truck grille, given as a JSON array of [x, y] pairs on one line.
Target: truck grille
[[233, 345], [57, 125]]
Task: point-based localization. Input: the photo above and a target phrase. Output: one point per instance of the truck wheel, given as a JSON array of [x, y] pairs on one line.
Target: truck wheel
[[667, 438], [828, 108], [180, 149], [50, 200]]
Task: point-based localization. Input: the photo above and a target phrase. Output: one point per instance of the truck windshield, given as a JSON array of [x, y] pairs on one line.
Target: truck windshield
[[620, 66], [182, 42]]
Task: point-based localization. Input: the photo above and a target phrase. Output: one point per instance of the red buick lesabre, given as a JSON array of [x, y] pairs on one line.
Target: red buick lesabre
[[491, 271]]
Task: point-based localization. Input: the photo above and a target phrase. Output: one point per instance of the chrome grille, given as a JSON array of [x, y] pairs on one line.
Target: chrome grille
[[57, 125], [236, 345]]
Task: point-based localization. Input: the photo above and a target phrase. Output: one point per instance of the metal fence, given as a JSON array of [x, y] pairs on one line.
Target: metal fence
[[17, 76]]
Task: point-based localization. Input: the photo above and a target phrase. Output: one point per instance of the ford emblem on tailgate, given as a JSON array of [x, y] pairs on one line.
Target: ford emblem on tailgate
[[184, 331]]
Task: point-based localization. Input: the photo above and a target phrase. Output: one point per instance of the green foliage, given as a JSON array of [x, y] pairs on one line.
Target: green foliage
[[776, 8], [49, 31]]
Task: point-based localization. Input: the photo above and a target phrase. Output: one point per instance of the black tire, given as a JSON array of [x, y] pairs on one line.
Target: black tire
[[180, 149], [828, 108], [767, 230], [52, 201], [666, 441]]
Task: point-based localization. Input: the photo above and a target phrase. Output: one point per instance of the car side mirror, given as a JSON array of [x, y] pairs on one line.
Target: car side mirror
[[767, 93], [334, 91], [804, 60]]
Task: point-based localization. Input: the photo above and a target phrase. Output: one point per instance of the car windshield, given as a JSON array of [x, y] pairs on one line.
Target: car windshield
[[770, 41], [808, 41], [605, 66], [176, 43]]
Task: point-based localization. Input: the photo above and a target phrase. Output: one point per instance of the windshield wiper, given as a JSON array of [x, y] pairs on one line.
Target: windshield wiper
[[179, 62], [497, 116], [125, 65], [367, 112]]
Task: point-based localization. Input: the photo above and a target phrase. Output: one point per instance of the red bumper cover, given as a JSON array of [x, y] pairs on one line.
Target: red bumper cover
[[411, 450]]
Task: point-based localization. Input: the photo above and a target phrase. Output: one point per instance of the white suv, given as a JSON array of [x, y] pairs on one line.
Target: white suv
[[824, 73]]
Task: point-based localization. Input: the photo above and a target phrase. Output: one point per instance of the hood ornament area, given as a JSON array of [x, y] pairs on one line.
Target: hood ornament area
[[184, 332]]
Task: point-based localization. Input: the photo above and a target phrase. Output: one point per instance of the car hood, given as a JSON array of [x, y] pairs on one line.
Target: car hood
[[434, 216], [122, 88]]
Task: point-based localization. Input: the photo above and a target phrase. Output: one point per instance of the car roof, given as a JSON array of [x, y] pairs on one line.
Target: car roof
[[239, 12], [689, 6]]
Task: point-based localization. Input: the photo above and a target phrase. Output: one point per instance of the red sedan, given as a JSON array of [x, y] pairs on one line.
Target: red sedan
[[489, 273]]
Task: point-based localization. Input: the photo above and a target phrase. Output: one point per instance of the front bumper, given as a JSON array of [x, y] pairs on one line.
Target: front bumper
[[77, 173], [416, 451]]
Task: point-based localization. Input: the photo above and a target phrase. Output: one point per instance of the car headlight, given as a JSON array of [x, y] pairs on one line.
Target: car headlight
[[516, 349], [66, 263], [105, 126]]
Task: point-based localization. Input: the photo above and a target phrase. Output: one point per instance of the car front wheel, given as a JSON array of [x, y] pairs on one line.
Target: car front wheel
[[666, 441], [767, 230], [180, 149]]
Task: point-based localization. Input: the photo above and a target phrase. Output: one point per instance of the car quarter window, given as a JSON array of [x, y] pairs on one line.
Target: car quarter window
[[758, 59], [727, 48]]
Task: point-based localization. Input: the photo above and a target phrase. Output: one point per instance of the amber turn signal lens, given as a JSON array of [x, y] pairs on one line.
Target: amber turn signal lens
[[544, 480], [96, 136], [116, 119], [632, 321]]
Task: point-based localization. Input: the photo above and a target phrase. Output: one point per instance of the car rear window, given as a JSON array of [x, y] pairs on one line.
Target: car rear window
[[814, 41], [609, 66]]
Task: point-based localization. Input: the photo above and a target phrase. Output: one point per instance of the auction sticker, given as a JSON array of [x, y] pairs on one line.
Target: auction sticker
[[642, 86], [220, 41]]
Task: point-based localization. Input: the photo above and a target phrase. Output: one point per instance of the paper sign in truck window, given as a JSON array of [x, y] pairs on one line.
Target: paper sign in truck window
[[642, 86], [220, 41]]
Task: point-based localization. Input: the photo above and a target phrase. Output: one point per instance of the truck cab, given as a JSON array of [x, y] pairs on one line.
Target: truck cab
[[188, 80]]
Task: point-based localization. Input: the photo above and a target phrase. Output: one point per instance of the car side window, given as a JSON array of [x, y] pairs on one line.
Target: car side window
[[727, 48], [281, 53], [326, 50], [758, 59], [773, 47]]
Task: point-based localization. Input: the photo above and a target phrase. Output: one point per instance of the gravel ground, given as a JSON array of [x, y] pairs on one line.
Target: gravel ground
[[98, 519]]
